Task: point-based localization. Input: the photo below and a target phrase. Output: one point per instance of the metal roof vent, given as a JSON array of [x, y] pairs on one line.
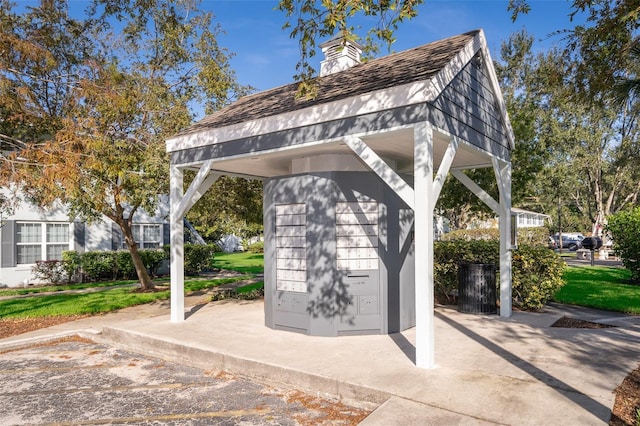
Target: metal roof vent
[[339, 55]]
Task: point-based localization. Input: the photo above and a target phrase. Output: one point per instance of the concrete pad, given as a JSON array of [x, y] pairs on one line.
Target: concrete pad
[[414, 413]]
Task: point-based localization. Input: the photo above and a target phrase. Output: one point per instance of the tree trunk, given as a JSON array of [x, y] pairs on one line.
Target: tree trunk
[[141, 270]]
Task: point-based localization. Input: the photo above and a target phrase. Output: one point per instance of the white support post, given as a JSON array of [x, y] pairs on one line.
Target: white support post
[[502, 171], [176, 189], [423, 219]]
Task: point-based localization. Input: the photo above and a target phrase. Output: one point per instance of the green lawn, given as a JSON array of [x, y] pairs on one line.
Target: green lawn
[[600, 287], [597, 287], [245, 262], [94, 303]]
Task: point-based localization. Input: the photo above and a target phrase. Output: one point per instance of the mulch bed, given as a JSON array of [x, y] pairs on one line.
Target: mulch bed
[[627, 403], [567, 322], [14, 326]]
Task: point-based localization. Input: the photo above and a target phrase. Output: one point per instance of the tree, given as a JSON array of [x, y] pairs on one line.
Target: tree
[[91, 100], [585, 151], [231, 206], [602, 44], [627, 87], [624, 227], [310, 20]]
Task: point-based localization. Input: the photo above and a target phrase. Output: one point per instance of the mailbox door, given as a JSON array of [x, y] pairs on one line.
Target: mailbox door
[[291, 268], [358, 266]]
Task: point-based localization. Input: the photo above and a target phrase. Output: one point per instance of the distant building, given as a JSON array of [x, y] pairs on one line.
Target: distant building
[[524, 219], [32, 234]]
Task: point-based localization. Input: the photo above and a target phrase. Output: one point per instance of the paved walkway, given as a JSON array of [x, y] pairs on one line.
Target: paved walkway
[[489, 370]]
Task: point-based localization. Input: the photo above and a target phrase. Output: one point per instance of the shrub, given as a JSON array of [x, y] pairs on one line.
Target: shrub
[[51, 271], [624, 228], [447, 255], [536, 273], [257, 247], [98, 265], [124, 267], [72, 262], [152, 259], [198, 257], [528, 236]]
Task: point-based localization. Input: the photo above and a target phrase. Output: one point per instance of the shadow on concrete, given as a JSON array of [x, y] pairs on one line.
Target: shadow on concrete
[[542, 376], [194, 309], [405, 346]]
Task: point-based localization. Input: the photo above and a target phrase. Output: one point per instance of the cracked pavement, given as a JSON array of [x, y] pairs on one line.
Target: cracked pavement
[[80, 382]]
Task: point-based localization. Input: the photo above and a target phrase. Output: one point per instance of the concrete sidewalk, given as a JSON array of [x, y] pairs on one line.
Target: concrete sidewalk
[[490, 370]]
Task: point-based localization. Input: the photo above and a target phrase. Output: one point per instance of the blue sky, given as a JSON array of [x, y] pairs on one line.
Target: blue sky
[[265, 56]]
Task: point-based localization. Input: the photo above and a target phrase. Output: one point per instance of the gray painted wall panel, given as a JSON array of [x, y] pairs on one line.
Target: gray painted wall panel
[[445, 121], [462, 94], [341, 301], [470, 100], [466, 117]]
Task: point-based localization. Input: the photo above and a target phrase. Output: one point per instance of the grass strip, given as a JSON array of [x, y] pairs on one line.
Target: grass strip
[[94, 303], [62, 287], [250, 287], [600, 287]]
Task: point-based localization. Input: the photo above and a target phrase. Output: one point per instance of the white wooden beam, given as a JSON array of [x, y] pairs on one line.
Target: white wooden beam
[[443, 170], [176, 188], [201, 183], [382, 169], [479, 192], [503, 176], [423, 219]]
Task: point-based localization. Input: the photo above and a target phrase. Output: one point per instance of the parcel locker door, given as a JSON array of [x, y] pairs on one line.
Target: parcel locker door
[[358, 266]]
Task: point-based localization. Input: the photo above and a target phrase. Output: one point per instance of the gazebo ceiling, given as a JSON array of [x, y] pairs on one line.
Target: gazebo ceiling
[[396, 145]]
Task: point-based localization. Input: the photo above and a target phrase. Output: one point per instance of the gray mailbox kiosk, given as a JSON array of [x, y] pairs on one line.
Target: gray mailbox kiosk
[[338, 252]]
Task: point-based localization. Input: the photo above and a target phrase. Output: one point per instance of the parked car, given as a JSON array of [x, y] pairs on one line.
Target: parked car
[[571, 241], [552, 243]]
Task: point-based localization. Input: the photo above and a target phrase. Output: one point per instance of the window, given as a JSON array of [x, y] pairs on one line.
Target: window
[[33, 240], [57, 240], [147, 236], [29, 242]]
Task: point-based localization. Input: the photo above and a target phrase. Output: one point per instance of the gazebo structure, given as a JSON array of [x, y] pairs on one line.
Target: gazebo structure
[[351, 179]]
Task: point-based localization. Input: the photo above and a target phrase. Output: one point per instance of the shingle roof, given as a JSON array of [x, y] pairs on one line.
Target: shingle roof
[[420, 63]]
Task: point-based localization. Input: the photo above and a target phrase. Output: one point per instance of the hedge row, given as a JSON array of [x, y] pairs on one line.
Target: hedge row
[[536, 270], [116, 265]]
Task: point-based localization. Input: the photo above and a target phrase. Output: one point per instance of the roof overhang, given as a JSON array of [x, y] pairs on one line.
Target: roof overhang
[[375, 101]]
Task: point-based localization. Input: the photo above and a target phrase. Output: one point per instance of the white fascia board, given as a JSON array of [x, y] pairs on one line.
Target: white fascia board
[[379, 100]]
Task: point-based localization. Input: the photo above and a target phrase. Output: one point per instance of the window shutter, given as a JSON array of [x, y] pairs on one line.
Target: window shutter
[[116, 237], [78, 236], [8, 232], [166, 234]]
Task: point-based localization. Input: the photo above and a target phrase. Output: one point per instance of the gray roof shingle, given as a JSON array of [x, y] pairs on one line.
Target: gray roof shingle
[[417, 64]]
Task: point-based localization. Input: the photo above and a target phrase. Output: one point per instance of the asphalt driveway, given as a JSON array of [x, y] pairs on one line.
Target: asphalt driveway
[[77, 381]]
